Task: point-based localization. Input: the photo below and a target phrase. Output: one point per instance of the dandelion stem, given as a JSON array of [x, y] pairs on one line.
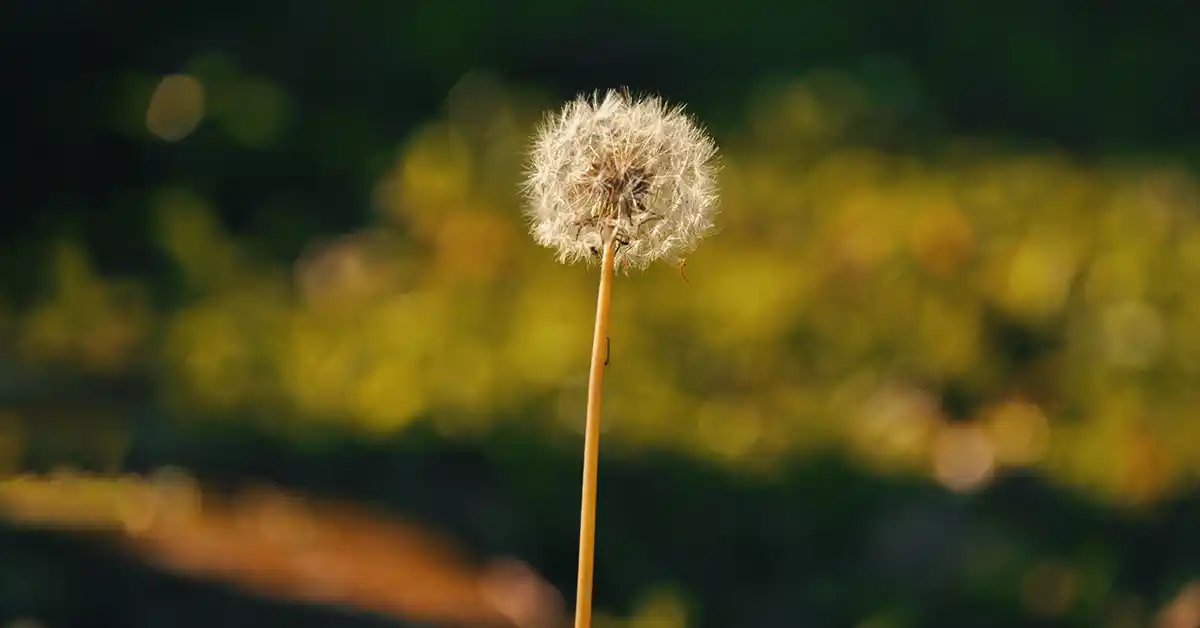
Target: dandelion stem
[[591, 443]]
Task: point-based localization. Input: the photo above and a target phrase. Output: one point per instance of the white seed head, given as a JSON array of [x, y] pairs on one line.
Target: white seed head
[[631, 169]]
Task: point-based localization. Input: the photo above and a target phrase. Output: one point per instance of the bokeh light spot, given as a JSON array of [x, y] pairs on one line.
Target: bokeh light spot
[[964, 458], [176, 107], [893, 427], [1019, 431]]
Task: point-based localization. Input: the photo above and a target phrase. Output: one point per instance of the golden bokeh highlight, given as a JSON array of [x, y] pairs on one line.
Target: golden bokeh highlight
[[894, 426], [964, 457], [1019, 432], [176, 107]]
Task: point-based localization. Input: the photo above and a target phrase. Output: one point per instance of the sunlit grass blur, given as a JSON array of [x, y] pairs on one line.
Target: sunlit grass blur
[[953, 314]]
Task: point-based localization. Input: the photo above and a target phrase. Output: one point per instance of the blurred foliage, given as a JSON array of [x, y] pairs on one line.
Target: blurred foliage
[[955, 313], [965, 313], [850, 414]]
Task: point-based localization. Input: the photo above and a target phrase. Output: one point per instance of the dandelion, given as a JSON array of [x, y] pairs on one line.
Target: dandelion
[[634, 171], [629, 181]]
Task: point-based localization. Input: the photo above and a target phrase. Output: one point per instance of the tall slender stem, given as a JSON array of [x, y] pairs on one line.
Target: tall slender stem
[[591, 443]]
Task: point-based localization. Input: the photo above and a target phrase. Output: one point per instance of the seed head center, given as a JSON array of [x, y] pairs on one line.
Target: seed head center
[[623, 190]]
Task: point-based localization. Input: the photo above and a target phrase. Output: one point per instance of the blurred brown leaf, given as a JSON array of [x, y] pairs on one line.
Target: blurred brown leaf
[[276, 544], [1184, 610]]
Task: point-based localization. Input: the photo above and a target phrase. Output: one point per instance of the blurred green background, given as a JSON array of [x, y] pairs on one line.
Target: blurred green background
[[939, 367]]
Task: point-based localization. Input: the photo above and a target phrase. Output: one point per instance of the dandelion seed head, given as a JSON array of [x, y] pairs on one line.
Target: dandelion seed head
[[632, 169]]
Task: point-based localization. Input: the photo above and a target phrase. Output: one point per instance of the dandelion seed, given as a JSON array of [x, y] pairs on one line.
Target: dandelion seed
[[633, 170]]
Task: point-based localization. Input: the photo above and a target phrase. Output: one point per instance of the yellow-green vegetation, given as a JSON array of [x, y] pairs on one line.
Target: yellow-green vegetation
[[848, 291]]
